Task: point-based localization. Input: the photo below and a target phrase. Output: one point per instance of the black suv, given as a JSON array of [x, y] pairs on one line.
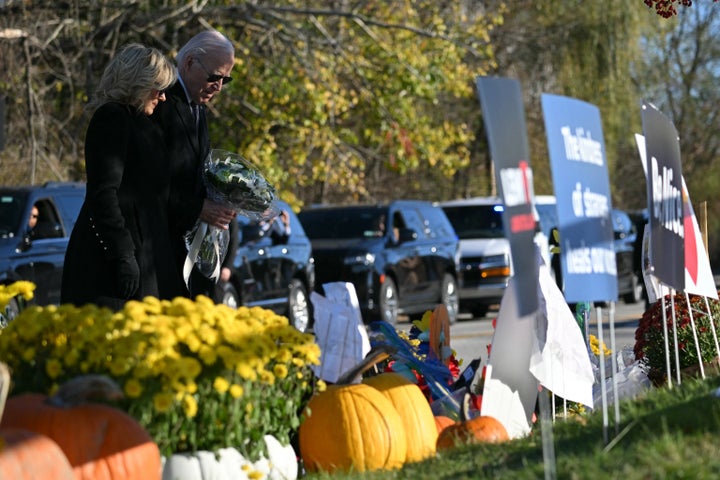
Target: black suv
[[37, 254], [629, 277], [272, 272], [401, 257]]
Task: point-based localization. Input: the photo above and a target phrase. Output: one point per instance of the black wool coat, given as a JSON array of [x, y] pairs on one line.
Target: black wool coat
[[124, 213], [187, 147]]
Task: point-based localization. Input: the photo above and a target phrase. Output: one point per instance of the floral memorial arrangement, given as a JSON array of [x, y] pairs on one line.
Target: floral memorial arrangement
[[434, 370], [649, 340], [196, 375], [233, 181]]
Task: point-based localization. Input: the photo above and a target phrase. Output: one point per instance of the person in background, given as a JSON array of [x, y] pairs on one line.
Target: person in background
[[119, 247], [278, 228], [32, 220], [204, 65]]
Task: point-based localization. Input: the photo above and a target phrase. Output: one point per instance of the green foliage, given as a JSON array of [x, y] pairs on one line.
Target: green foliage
[[335, 100]]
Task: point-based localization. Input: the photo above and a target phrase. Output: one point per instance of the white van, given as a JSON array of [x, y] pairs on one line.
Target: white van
[[485, 263]]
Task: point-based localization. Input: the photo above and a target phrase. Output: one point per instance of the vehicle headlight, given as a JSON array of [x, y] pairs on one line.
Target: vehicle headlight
[[360, 259], [496, 266]]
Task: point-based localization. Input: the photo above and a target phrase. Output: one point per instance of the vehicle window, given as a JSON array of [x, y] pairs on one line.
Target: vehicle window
[[437, 222], [48, 222], [12, 209], [476, 221], [412, 219], [69, 206], [356, 222]]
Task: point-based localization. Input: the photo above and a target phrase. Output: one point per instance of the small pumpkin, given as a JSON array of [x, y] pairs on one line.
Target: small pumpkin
[[99, 441], [415, 411], [351, 427], [481, 429], [26, 455], [442, 421]]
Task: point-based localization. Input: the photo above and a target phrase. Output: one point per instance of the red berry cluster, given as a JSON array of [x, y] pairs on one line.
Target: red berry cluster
[[666, 8]]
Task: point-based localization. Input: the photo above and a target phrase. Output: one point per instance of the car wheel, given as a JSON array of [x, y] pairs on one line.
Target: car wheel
[[388, 302], [450, 297], [11, 311], [298, 306], [230, 295], [636, 293]]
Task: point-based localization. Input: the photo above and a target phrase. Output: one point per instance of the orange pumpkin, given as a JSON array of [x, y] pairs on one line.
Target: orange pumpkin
[[441, 421], [26, 455], [415, 411], [482, 429], [351, 427], [99, 441]]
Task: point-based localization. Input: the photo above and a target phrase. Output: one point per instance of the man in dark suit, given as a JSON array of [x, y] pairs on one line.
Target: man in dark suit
[[204, 64]]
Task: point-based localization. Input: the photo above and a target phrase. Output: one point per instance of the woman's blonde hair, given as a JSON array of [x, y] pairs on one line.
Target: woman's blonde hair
[[132, 75]]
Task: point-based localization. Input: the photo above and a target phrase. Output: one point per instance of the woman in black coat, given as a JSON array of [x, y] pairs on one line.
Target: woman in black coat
[[120, 246]]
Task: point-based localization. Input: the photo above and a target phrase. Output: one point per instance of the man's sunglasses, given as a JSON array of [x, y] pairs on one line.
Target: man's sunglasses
[[214, 77]]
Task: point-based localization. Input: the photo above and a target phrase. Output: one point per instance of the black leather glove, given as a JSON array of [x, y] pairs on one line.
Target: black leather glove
[[128, 276]]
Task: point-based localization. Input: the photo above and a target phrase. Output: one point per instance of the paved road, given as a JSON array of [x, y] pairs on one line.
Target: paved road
[[471, 336]]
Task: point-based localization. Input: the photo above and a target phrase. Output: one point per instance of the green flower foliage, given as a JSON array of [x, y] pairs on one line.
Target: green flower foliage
[[649, 339], [196, 375]]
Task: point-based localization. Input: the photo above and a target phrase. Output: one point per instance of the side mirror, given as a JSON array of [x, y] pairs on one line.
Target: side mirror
[[24, 244]]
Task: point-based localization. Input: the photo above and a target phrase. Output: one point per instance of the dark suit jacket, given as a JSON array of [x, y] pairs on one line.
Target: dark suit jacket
[[186, 149], [124, 213]]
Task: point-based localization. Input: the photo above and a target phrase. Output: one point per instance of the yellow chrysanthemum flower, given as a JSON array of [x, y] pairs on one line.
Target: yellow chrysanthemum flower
[[236, 391], [280, 371], [133, 388], [53, 368], [221, 384], [162, 402], [190, 406]]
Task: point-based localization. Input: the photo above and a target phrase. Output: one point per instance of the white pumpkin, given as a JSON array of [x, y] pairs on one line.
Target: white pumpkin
[[229, 464]]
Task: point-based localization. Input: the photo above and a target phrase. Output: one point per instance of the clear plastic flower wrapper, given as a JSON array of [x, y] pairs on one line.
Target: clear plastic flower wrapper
[[233, 181]]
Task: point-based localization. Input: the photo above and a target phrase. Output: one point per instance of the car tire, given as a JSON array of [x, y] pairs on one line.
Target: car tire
[[229, 295], [298, 306], [450, 297], [636, 293], [388, 302], [12, 310]]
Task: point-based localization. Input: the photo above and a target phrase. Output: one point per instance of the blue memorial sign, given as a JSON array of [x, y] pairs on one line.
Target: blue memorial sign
[[580, 179], [664, 193], [504, 118]]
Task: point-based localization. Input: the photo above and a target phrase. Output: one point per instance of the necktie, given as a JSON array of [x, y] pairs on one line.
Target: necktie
[[195, 108]]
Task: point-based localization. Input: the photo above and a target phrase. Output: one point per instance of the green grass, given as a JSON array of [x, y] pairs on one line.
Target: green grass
[[665, 434]]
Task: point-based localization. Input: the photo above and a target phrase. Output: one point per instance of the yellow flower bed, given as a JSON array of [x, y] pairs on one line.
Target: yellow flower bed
[[8, 292], [198, 376]]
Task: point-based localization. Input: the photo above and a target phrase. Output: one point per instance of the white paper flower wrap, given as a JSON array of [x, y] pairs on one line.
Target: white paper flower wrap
[[233, 181]]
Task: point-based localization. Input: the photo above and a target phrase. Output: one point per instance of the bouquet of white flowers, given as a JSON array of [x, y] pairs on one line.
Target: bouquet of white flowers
[[232, 180]]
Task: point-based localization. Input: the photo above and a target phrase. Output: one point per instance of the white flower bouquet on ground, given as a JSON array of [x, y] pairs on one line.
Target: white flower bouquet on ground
[[232, 180]]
